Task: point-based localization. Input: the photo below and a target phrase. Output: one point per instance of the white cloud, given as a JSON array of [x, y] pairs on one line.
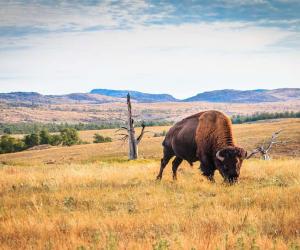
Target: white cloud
[[180, 59], [245, 2], [68, 14]]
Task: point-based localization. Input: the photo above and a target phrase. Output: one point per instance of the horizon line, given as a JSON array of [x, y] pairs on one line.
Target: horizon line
[[200, 92]]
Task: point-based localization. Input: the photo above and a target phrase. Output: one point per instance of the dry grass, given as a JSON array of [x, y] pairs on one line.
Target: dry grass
[[119, 205], [91, 197], [172, 111], [247, 135], [87, 135]]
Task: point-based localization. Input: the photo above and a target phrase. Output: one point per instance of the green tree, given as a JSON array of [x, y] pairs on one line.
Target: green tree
[[55, 140], [45, 137], [7, 131], [69, 136], [100, 138], [9, 144], [32, 140]]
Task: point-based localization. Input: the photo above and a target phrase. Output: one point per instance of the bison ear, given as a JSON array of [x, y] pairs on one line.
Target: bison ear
[[242, 153]]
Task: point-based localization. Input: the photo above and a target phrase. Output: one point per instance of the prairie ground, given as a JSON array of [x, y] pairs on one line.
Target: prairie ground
[[112, 112], [92, 197]]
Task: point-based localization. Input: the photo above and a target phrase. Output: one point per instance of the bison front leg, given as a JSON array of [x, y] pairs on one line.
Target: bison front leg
[[208, 171], [175, 164]]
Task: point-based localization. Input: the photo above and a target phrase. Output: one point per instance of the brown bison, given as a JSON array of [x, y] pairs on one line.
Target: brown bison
[[205, 137]]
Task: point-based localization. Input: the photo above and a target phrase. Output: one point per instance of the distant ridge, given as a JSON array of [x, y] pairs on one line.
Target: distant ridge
[[247, 96], [138, 96], [98, 96], [33, 98]]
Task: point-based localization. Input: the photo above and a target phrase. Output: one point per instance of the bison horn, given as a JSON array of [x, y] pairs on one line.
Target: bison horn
[[219, 156]]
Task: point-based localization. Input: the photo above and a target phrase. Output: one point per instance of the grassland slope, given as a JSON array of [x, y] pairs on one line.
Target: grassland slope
[[92, 197]]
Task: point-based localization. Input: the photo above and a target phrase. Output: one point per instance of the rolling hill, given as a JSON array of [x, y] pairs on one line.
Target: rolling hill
[[99, 96], [33, 98], [247, 96]]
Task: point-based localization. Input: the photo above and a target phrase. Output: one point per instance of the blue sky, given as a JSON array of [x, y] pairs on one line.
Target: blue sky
[[178, 47]]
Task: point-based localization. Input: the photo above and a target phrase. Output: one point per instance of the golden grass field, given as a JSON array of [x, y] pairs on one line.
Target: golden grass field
[[91, 197]]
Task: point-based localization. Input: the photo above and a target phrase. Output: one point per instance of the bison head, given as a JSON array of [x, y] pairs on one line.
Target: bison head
[[230, 159]]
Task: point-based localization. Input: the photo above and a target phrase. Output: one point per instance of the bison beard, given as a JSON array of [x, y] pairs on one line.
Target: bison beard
[[205, 137]]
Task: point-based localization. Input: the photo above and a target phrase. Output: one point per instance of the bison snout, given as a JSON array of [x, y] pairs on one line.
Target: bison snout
[[232, 179]]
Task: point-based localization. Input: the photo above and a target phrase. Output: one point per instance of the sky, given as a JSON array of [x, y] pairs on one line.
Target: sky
[[177, 47]]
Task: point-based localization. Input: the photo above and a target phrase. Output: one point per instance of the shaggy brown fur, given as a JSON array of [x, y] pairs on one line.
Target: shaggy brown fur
[[205, 137]]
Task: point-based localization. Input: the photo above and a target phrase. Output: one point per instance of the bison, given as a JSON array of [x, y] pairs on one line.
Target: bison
[[205, 137]]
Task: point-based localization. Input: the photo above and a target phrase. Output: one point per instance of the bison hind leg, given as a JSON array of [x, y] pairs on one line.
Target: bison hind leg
[[168, 154], [175, 164]]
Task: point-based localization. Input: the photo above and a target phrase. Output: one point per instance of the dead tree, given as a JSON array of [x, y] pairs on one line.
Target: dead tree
[[129, 134], [264, 149]]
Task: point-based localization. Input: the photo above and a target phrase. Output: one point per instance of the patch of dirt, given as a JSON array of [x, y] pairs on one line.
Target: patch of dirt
[[39, 147]]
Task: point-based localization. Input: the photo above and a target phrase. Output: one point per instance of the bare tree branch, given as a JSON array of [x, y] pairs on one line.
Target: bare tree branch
[[124, 138], [121, 134], [141, 134], [254, 152], [120, 129], [273, 139], [266, 147]]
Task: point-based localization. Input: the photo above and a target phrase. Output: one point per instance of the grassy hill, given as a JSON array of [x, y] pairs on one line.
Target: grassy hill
[[247, 136], [247, 96], [91, 197]]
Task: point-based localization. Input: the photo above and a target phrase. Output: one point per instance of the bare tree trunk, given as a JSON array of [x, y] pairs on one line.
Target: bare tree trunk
[[133, 151], [128, 133]]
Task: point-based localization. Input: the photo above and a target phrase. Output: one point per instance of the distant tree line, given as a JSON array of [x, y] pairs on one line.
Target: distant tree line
[[67, 134], [238, 119], [66, 137], [28, 128]]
